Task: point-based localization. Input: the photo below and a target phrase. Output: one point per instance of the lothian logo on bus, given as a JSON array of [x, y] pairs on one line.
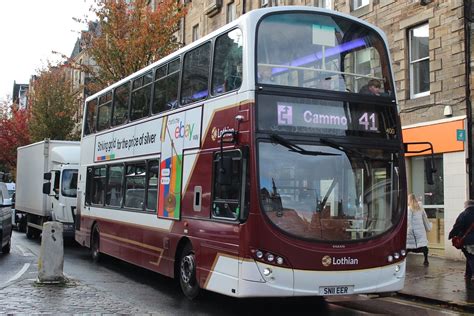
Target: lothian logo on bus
[[327, 261]]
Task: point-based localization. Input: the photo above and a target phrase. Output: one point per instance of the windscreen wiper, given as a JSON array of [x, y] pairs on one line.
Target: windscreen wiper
[[348, 150], [297, 149]]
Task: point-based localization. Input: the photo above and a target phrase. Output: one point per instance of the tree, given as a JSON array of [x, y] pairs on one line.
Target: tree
[[52, 105], [13, 134], [128, 36]]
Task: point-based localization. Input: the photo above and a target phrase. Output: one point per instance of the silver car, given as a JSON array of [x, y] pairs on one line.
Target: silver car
[[5, 219]]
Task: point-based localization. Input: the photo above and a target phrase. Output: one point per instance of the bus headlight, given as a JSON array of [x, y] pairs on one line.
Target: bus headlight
[[396, 255], [267, 272], [403, 252], [390, 258], [270, 257]]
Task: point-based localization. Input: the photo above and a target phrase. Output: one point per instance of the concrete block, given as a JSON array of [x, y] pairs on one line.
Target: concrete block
[[51, 258]]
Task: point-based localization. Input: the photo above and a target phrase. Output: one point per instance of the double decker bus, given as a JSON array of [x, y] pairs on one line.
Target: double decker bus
[[265, 159]]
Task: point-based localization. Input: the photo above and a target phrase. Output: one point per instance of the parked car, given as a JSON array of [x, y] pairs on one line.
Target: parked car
[[5, 219]]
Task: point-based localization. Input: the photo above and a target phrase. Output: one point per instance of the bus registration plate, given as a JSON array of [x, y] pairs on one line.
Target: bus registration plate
[[336, 290]]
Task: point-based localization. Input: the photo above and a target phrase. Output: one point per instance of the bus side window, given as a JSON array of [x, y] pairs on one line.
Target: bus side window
[[90, 121], [103, 115], [152, 185], [166, 87], [89, 177], [196, 74], [114, 186], [97, 191], [135, 185], [227, 70], [141, 97], [227, 185], [120, 107]]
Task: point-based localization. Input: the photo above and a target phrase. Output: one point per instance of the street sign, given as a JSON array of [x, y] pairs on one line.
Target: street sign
[[460, 135]]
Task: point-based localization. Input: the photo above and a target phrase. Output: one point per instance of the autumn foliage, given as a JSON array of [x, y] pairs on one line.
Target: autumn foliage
[[13, 134], [129, 36], [52, 105]]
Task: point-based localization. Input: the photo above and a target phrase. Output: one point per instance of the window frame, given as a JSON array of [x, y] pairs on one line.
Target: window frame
[[213, 59], [324, 4], [231, 12], [412, 63], [93, 120], [164, 78], [126, 177], [109, 166], [209, 73], [107, 103], [115, 99], [142, 88], [355, 6], [238, 201]]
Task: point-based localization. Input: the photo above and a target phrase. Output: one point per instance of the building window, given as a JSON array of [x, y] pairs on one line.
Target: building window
[[356, 4], [326, 4], [419, 61], [195, 32], [231, 12], [263, 3], [431, 196]]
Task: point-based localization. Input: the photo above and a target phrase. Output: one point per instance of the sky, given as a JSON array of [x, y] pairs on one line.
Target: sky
[[30, 30]]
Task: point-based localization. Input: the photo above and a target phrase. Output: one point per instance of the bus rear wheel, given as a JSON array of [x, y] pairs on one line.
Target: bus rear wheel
[[95, 245], [187, 273]]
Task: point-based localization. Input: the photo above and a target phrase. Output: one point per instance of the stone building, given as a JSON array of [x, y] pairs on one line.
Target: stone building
[[78, 78], [429, 49]]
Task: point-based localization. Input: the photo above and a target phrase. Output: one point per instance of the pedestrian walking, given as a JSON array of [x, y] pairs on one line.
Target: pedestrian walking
[[463, 228], [418, 225]]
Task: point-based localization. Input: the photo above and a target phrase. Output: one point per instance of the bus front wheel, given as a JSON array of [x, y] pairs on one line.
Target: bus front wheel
[[187, 273], [95, 245]]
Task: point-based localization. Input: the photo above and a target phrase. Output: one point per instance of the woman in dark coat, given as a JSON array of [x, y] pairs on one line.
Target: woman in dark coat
[[463, 222]]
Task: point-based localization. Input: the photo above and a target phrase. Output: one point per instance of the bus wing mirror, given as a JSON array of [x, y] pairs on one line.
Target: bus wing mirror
[[421, 147], [46, 188]]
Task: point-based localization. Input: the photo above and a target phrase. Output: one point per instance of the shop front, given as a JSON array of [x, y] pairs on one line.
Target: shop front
[[443, 199]]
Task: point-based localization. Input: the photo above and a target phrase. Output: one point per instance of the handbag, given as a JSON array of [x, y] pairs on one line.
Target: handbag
[[458, 241]]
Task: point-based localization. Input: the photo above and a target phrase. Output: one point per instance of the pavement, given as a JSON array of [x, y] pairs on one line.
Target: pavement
[[442, 282]]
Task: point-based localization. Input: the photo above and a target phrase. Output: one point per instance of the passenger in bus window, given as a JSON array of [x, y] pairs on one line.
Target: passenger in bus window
[[265, 74], [373, 87]]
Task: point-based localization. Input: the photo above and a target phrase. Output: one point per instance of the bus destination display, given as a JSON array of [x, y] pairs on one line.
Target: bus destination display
[[327, 117]]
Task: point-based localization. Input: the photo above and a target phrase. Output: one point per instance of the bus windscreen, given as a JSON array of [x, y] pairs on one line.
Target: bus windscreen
[[321, 51]]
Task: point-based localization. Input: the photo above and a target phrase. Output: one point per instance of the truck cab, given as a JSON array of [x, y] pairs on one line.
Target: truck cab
[[61, 188]]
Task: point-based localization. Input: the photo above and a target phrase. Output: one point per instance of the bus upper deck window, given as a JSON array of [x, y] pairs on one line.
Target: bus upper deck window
[[120, 107], [196, 74], [91, 116], [166, 87], [227, 70]]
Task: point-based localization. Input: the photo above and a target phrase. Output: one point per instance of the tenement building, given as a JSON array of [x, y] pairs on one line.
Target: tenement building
[[431, 49]]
